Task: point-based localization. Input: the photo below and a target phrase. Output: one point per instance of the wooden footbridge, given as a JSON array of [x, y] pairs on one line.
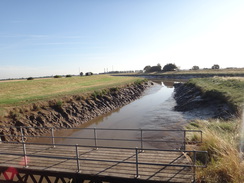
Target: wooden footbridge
[[53, 162]]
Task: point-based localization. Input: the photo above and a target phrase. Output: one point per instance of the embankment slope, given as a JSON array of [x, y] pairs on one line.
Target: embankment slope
[[73, 110]]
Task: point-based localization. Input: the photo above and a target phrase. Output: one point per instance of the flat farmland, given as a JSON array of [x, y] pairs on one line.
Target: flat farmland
[[19, 92]]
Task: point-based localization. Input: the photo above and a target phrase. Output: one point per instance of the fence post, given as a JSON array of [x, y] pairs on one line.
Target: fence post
[[141, 141], [77, 158], [184, 145], [22, 134], [53, 140], [137, 166], [25, 155], [95, 137], [194, 165], [24, 147]]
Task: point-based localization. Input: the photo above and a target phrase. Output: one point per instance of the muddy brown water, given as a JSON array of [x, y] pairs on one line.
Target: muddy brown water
[[154, 110]]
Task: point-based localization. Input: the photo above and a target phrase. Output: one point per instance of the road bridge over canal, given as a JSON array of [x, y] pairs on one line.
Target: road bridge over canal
[[25, 161]]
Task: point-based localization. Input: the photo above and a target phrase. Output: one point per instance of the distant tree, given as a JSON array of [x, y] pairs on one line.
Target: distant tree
[[68, 76], [30, 78], [195, 67], [215, 66], [170, 67], [81, 73], [147, 68], [57, 76], [155, 69]]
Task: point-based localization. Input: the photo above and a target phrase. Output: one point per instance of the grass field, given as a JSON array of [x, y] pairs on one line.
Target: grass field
[[19, 92]]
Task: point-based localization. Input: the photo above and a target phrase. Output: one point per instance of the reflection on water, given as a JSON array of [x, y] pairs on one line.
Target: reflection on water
[[154, 110]]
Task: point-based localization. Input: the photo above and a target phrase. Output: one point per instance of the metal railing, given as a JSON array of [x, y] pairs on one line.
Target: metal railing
[[143, 136], [77, 157], [22, 139]]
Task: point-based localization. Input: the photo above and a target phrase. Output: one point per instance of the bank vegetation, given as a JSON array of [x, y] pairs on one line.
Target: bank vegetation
[[18, 97], [221, 138]]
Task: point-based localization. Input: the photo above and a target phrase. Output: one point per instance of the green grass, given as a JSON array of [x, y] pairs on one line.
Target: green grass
[[15, 93], [231, 90], [221, 138]]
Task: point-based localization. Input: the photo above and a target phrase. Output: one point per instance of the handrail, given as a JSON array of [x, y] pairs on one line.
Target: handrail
[[95, 138], [137, 151], [22, 140]]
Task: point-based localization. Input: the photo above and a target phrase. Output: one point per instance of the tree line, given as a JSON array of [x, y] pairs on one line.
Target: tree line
[[171, 67]]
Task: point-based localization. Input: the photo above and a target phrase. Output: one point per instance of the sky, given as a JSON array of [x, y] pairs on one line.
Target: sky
[[59, 37]]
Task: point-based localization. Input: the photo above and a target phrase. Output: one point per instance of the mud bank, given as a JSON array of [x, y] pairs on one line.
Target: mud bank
[[198, 105], [70, 111]]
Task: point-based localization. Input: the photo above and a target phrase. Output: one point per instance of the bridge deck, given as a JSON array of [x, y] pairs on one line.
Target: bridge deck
[[104, 162]]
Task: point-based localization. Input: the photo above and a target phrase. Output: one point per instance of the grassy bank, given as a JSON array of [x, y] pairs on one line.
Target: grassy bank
[[16, 93], [221, 138], [231, 72], [228, 89]]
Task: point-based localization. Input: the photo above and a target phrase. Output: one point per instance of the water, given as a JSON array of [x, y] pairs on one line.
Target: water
[[154, 110]]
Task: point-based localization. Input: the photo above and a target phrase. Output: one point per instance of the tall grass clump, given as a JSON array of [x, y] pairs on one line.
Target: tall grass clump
[[220, 139]]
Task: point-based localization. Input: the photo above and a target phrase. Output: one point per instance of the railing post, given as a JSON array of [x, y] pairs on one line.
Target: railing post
[[22, 134], [77, 158], [137, 166], [24, 147], [184, 145], [194, 165], [141, 141], [95, 137], [25, 155], [53, 140]]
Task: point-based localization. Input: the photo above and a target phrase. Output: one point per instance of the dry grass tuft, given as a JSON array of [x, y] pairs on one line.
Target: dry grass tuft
[[224, 158]]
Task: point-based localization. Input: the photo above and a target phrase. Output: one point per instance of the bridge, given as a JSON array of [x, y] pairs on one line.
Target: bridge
[[23, 160]]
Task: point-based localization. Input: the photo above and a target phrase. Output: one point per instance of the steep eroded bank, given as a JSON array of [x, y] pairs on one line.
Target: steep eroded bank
[[70, 111], [198, 105]]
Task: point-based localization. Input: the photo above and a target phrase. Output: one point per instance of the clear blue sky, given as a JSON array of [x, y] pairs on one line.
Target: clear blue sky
[[49, 37]]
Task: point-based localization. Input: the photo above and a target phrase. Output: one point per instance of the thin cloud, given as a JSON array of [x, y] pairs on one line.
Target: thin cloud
[[23, 36]]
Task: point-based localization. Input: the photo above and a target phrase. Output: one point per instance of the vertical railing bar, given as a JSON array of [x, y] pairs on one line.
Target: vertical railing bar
[[141, 140], [194, 166], [184, 145], [25, 154], [22, 134], [24, 147], [77, 158], [95, 137], [53, 140], [137, 166]]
